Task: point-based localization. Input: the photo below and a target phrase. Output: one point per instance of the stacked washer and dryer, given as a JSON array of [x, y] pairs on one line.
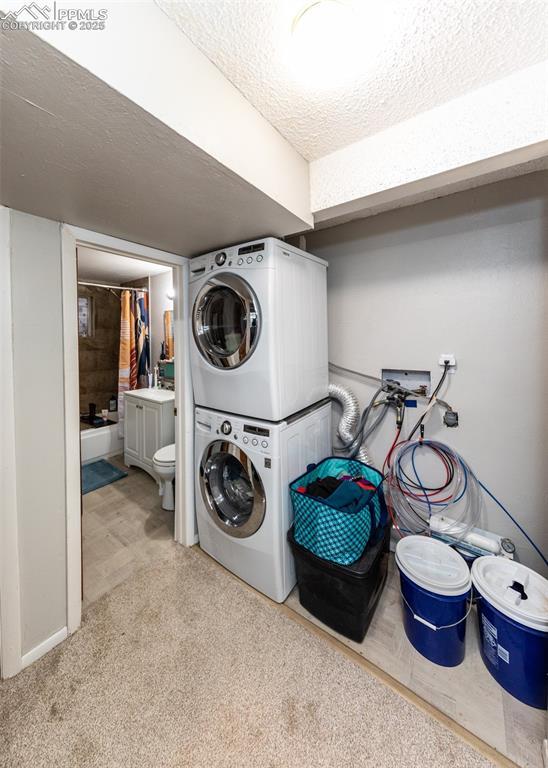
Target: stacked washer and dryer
[[260, 379]]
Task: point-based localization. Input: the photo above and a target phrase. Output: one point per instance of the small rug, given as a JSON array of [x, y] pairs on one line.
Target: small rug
[[98, 474]]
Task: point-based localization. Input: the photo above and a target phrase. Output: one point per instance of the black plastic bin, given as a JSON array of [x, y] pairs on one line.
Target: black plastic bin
[[343, 596]]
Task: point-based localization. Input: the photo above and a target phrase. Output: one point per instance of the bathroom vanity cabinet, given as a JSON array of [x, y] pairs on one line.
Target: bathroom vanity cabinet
[[149, 424]]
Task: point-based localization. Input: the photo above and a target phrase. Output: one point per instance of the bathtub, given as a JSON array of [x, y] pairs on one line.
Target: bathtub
[[101, 442]]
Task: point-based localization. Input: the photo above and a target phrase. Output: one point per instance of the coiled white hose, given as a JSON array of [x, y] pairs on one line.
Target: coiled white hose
[[456, 503]]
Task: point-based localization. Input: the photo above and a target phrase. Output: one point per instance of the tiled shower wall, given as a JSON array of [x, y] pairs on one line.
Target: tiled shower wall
[[99, 352]]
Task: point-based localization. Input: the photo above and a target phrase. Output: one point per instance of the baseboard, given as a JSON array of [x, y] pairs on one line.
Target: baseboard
[[42, 648]]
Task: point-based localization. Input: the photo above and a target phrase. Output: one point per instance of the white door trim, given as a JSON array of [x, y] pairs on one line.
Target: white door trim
[[185, 525], [69, 282], [10, 604], [184, 498], [124, 247]]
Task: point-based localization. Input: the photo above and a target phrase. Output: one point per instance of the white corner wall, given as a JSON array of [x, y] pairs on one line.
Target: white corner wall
[[36, 294], [464, 274], [493, 128]]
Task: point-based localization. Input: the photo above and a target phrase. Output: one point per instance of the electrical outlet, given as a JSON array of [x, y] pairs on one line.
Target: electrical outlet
[[451, 359]]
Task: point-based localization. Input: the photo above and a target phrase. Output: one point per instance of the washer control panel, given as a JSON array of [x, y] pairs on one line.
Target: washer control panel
[[250, 436], [226, 427], [256, 436]]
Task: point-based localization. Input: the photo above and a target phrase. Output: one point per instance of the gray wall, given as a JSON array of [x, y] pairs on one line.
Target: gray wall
[[39, 424], [464, 274]]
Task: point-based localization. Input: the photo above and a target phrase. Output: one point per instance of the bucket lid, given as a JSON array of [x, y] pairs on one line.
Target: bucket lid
[[165, 455], [433, 565], [515, 590]]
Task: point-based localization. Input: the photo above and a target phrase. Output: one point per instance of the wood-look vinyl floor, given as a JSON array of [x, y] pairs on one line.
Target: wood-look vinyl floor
[[123, 529], [467, 693]]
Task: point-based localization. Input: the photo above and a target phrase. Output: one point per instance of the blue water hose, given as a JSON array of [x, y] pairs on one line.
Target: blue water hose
[[513, 519], [398, 471]]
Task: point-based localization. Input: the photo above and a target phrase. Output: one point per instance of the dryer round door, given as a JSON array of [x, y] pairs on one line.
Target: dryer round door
[[226, 321], [232, 490]]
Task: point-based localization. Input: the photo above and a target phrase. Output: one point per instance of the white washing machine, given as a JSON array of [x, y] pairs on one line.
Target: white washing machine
[[259, 321], [243, 470]]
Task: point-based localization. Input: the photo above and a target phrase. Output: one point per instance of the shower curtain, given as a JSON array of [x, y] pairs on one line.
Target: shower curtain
[[134, 360], [168, 333]]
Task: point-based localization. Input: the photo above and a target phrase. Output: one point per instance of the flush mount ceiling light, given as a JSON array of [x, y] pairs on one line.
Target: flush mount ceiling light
[[326, 44]]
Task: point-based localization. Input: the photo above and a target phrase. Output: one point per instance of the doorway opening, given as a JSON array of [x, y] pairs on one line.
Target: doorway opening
[[127, 415]]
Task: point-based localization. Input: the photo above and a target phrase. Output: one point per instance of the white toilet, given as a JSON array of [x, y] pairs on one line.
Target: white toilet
[[163, 462]]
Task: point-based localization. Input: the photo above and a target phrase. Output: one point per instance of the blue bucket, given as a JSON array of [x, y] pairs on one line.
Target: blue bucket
[[435, 589], [513, 626]]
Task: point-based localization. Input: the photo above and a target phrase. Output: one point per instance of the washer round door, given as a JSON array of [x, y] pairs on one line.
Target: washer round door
[[232, 490], [226, 321]]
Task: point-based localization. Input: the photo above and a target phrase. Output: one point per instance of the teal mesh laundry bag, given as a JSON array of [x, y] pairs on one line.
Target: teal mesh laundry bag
[[329, 532]]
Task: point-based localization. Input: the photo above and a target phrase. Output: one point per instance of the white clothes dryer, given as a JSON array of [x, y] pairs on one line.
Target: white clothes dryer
[[259, 329], [243, 509]]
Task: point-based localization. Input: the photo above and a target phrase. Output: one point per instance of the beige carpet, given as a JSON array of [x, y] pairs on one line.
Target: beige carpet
[[183, 666]]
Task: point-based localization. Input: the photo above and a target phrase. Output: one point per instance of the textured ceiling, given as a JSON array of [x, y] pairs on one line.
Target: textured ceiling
[[406, 56]]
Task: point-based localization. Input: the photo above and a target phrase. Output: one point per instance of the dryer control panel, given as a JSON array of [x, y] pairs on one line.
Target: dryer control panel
[[254, 255]]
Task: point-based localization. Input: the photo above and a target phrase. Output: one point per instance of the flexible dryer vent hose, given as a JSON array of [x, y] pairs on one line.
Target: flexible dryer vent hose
[[348, 422]]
